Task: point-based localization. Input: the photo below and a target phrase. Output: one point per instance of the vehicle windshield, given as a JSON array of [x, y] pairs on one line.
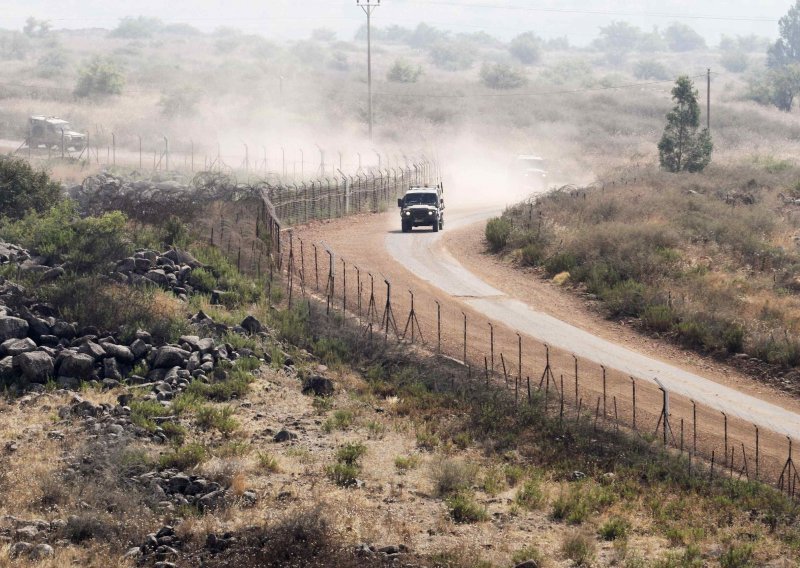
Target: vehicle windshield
[[420, 199]]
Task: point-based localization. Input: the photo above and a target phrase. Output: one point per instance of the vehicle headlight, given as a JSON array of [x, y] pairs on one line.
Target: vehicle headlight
[[407, 213], [430, 212]]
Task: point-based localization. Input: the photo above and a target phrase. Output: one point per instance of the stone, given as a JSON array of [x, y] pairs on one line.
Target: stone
[[28, 532], [93, 349], [139, 348], [52, 275], [211, 501], [251, 325], [170, 356], [19, 548], [142, 264], [158, 276], [527, 564], [111, 369], [7, 372], [12, 328], [64, 330], [42, 551], [14, 347], [192, 341], [37, 366], [206, 345], [284, 436], [78, 365], [119, 352], [38, 327], [318, 386], [69, 383], [178, 483]]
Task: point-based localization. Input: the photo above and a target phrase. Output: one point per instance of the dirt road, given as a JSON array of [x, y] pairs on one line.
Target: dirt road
[[424, 255], [502, 318]]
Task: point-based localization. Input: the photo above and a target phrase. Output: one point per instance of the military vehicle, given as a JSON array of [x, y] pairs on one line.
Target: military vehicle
[[422, 207], [52, 132]]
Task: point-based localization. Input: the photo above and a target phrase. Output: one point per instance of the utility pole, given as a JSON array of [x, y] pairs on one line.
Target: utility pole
[[708, 101], [369, 6]]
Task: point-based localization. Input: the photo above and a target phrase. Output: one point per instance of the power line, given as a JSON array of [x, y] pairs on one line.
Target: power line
[[593, 12], [531, 94]]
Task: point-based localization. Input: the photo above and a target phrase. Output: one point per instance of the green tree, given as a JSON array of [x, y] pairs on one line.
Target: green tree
[[502, 76], [619, 36], [137, 28], [404, 72], [684, 147], [527, 48], [23, 189], [786, 49], [100, 77], [681, 37], [785, 85]]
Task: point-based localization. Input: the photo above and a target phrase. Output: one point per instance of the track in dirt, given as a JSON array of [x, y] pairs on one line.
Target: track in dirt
[[425, 256], [723, 419]]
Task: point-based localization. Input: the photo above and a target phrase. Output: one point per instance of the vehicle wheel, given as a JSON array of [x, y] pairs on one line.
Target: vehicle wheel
[[441, 224], [406, 227], [436, 227]]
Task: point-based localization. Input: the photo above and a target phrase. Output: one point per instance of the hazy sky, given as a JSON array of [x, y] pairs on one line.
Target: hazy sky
[[291, 19]]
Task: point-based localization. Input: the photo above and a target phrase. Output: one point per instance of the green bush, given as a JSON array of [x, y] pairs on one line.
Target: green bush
[[351, 452], [658, 317], [735, 62], [650, 70], [531, 254], [86, 244], [502, 76], [343, 474], [137, 28], [625, 298], [24, 189], [530, 495], [184, 457], [561, 262], [579, 548], [404, 72], [738, 556], [92, 300], [463, 509], [498, 230], [101, 77], [221, 419], [615, 528], [526, 47], [694, 333]]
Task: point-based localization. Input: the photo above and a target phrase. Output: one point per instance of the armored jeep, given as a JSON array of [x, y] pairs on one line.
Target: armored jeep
[[421, 207], [52, 132]]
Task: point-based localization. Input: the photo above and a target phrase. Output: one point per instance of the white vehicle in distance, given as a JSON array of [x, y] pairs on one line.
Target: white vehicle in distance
[[422, 207], [529, 172]]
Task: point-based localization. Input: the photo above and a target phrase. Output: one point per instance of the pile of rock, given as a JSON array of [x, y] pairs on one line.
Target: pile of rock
[[36, 347], [170, 270], [162, 546], [28, 537], [29, 264]]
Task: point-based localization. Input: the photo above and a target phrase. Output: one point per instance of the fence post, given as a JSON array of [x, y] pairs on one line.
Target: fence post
[[465, 337], [694, 427], [438, 326], [491, 344], [576, 378], [519, 352], [757, 451], [725, 429], [633, 386], [604, 391]]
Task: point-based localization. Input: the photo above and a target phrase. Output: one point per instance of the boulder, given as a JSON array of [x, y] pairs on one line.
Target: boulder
[[92, 349], [111, 369], [318, 386], [119, 352], [37, 366], [158, 276], [211, 501], [41, 551], [64, 330], [284, 436], [12, 328], [78, 365], [14, 347], [170, 356], [38, 327], [251, 325], [7, 372], [52, 275]]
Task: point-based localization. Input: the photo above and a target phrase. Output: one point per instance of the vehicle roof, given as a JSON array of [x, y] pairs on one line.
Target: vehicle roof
[[423, 190], [50, 119], [529, 157]]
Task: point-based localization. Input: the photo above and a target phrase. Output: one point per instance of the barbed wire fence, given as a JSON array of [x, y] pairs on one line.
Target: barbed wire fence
[[713, 443]]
